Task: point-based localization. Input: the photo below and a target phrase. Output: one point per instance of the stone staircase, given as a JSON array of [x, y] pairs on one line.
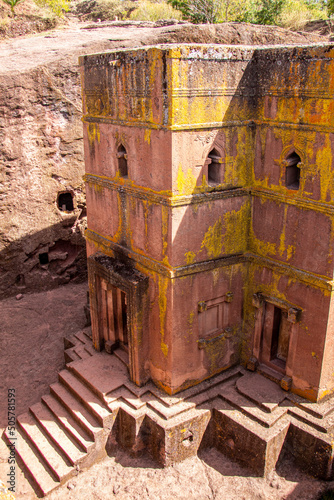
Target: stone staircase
[[94, 407], [78, 346], [62, 434]]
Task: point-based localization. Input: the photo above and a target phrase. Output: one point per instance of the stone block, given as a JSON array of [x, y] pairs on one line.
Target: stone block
[[178, 439], [313, 451], [246, 441], [252, 364], [286, 383], [128, 431]]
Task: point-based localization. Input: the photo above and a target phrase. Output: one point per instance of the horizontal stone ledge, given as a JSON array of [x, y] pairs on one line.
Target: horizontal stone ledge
[[297, 201], [219, 192], [309, 278], [211, 125]]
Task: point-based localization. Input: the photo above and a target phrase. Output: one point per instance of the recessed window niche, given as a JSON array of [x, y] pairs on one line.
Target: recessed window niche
[[214, 167], [292, 172], [122, 161]]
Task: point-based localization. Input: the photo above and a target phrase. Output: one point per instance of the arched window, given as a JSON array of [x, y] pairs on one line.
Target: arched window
[[214, 167], [122, 161], [292, 172]]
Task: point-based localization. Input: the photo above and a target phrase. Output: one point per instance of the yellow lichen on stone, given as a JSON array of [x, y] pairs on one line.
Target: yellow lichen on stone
[[271, 289], [147, 135], [163, 285], [145, 204], [213, 240], [190, 257], [324, 161], [260, 247], [120, 230], [164, 230], [215, 276], [290, 249], [191, 318], [236, 225], [186, 184], [93, 131]]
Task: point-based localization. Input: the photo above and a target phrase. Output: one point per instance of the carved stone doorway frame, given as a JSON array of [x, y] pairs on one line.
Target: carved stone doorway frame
[[123, 276], [262, 339]]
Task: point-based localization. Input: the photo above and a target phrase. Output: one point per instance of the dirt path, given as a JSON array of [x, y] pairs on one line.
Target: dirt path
[[31, 344]]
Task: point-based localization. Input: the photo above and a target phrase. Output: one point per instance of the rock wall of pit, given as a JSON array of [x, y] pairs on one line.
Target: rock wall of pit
[[41, 167]]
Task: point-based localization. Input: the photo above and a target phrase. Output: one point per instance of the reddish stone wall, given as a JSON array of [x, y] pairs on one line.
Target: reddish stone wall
[[210, 244]]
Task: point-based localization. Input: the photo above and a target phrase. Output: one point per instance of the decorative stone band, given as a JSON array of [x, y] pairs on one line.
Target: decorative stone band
[[306, 277], [105, 245], [216, 194], [307, 127], [109, 247], [162, 198], [298, 201]]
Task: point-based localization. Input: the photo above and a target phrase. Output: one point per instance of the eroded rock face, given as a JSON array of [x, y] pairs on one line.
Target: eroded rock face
[[42, 212]]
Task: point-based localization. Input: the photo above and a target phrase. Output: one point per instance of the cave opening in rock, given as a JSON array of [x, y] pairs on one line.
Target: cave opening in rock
[[43, 258], [20, 280], [65, 202]]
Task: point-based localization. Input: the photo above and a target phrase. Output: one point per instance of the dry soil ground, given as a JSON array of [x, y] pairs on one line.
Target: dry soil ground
[[31, 346]]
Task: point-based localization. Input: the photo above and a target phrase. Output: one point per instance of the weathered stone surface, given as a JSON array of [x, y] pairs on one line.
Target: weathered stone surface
[[41, 141], [41, 245], [216, 163]]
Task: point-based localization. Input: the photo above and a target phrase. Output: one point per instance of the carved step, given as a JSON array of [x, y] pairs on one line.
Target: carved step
[[78, 346], [90, 349], [69, 341], [270, 374], [82, 351], [68, 423], [58, 465], [71, 355], [52, 429], [78, 412], [122, 356], [42, 477], [93, 404], [83, 337], [324, 425], [250, 409]]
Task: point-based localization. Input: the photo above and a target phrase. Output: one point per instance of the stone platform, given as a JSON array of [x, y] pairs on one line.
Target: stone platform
[[95, 407]]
